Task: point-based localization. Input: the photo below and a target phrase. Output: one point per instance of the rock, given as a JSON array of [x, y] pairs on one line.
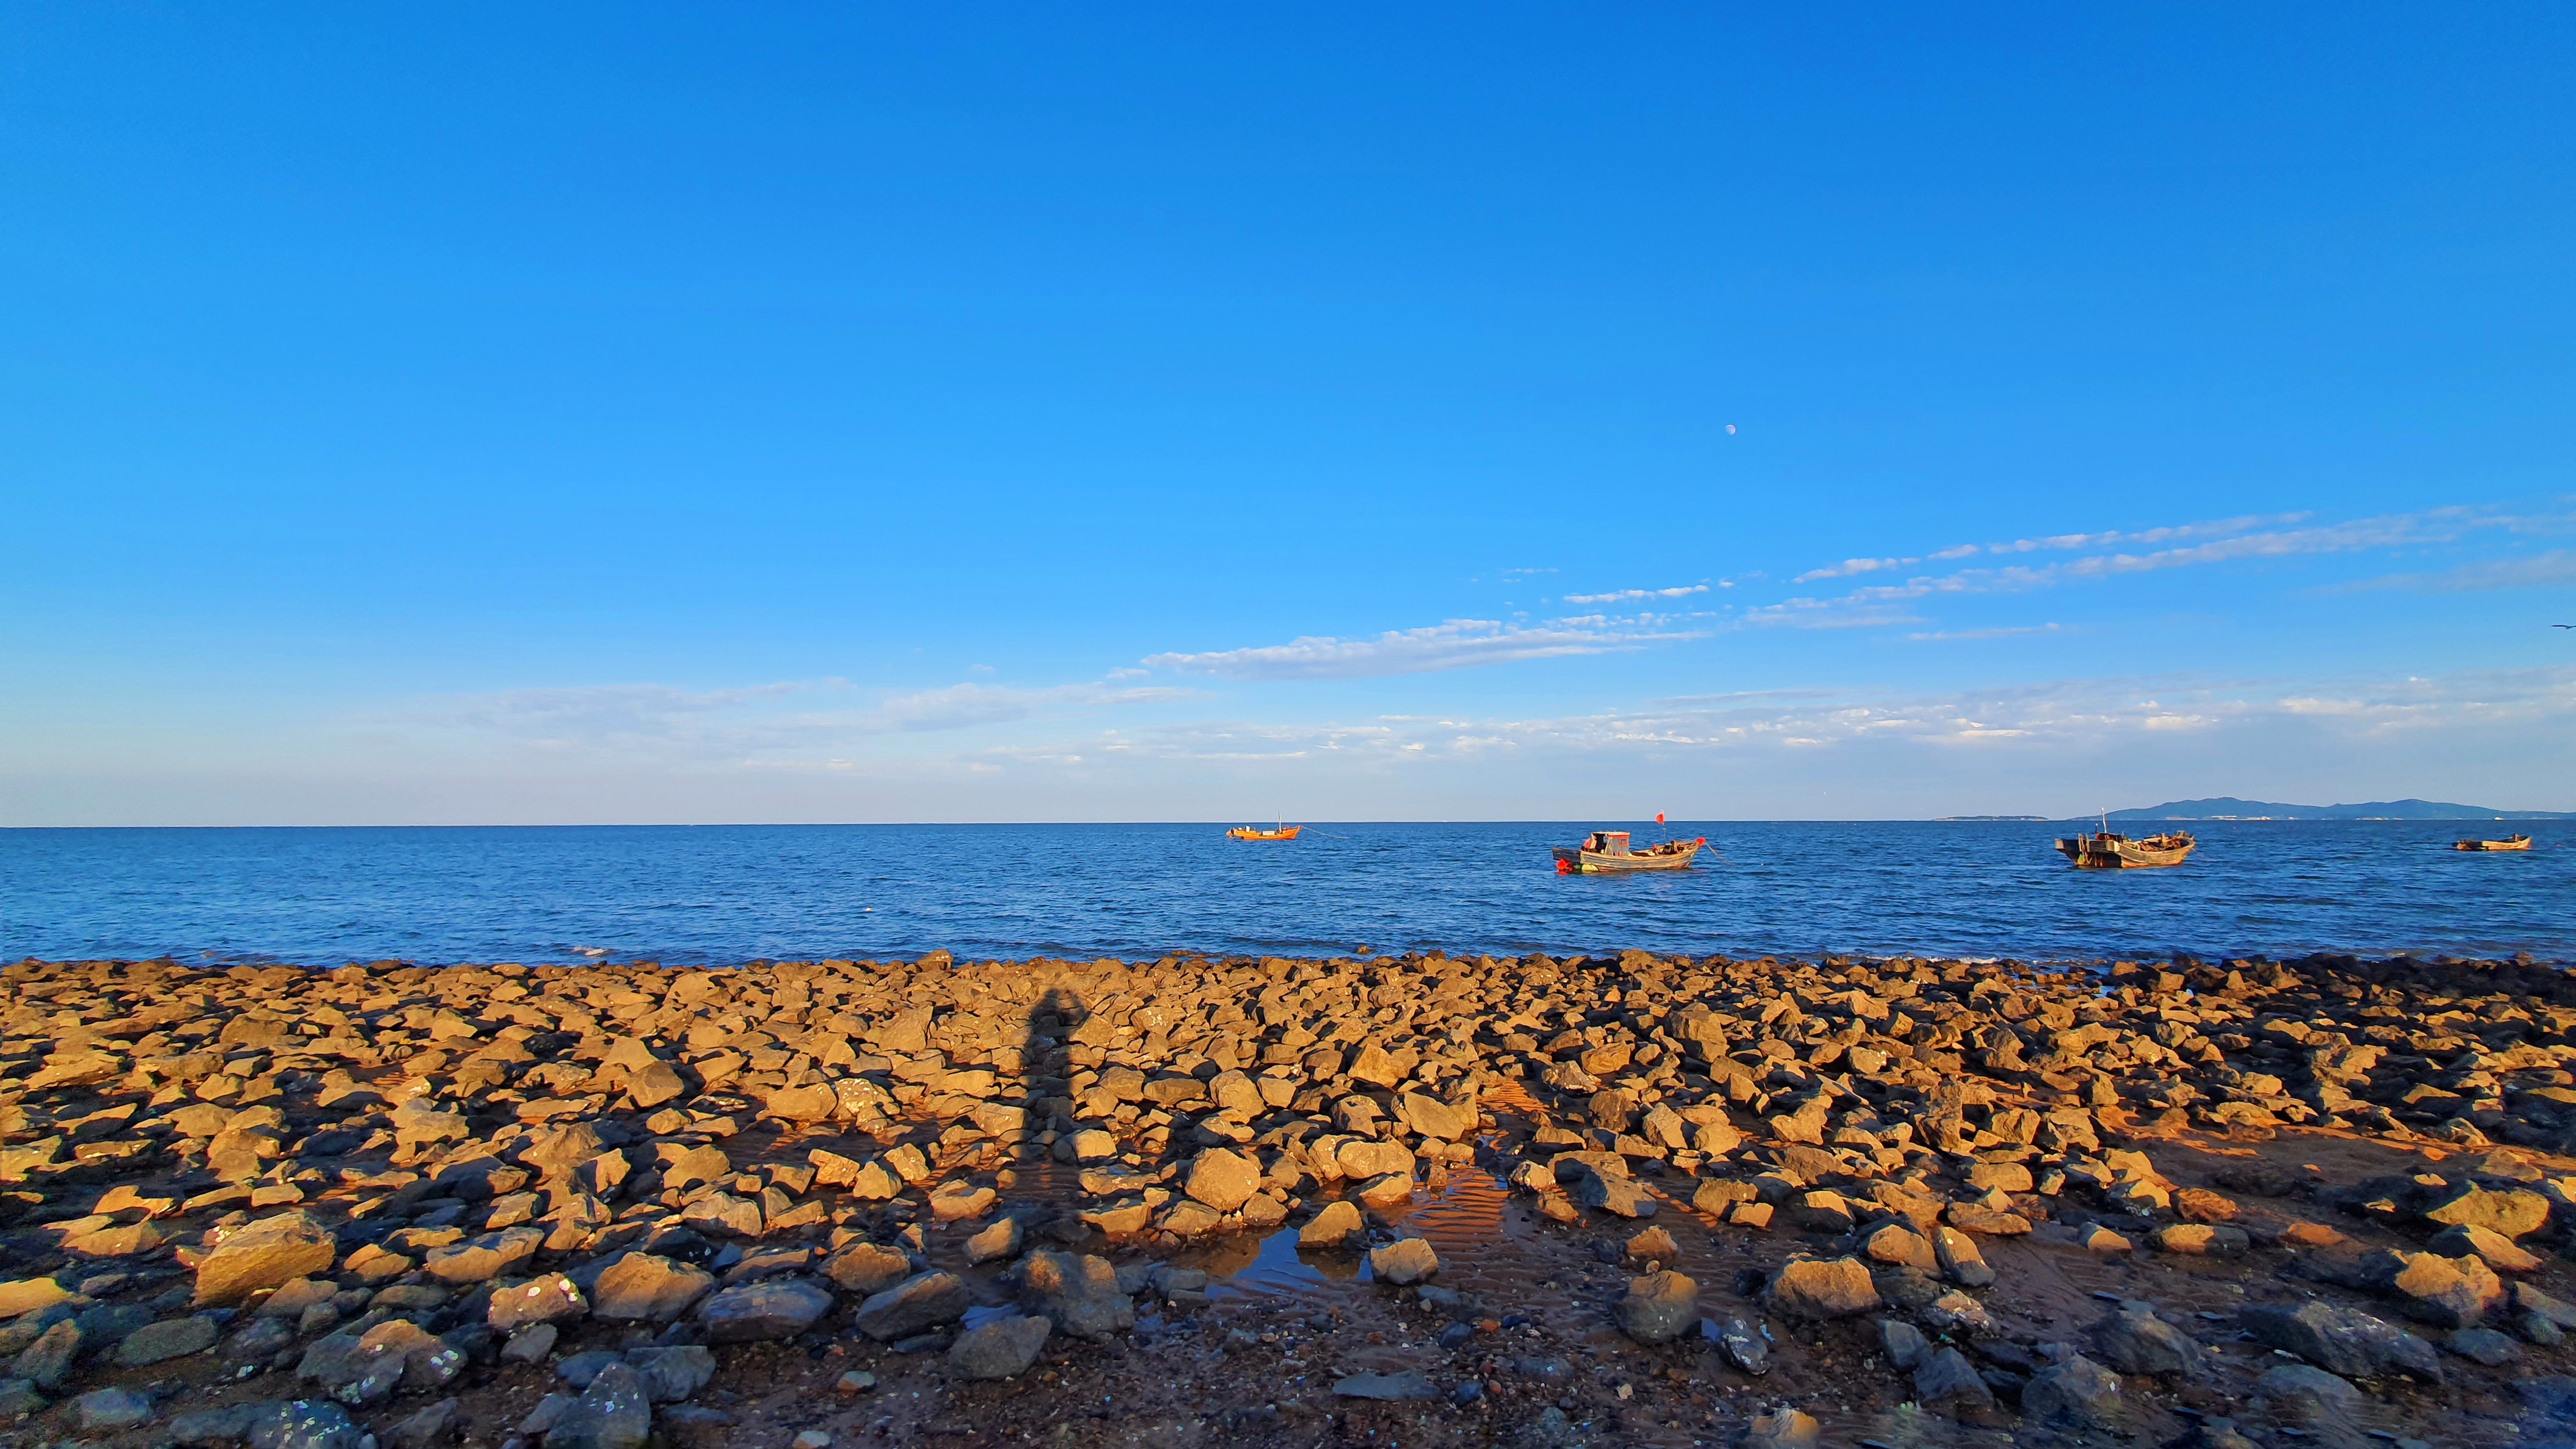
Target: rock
[[1744, 1344], [530, 1344], [302, 1424], [1615, 1195], [2340, 1340], [27, 1295], [1947, 1375], [674, 1373], [1783, 1429], [367, 1368], [227, 1425], [615, 1412], [2487, 1245], [917, 1303], [1812, 1288], [1337, 1226], [481, 1259], [865, 1268], [424, 1428], [1658, 1308], [1899, 1244], [999, 1348], [687, 1426], [1221, 1179], [2483, 1345], [2200, 1240], [1654, 1245], [2308, 1394], [2135, 1341], [2078, 1391], [1970, 1217], [2527, 1298], [764, 1309], [1078, 1293], [47, 1362], [1386, 1192], [2515, 1213], [1902, 1342], [1961, 1261], [264, 1254], [1403, 1263], [108, 1410], [645, 1286], [550, 1299], [651, 1087], [2448, 1292], [2200, 1205], [1001, 1240], [1408, 1385], [172, 1338]]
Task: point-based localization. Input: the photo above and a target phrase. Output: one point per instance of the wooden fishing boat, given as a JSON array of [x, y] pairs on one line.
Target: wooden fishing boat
[[2510, 842], [1255, 832], [2103, 850], [1606, 852]]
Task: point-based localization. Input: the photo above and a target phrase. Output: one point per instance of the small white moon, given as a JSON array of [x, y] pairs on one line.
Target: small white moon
[[1730, 429]]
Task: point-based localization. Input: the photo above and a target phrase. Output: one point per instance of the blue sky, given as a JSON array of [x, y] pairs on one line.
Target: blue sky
[[635, 413]]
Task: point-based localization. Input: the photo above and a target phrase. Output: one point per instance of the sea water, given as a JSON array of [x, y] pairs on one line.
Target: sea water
[[718, 895]]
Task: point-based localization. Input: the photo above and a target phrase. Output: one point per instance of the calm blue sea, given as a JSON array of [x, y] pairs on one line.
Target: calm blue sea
[[681, 894]]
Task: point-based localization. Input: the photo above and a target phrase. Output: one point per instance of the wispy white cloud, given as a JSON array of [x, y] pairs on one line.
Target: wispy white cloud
[[1954, 634], [2555, 569], [1851, 566], [2224, 541], [1456, 644], [1631, 596], [2086, 715]]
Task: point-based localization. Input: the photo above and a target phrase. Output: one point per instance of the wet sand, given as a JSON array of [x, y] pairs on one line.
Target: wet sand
[[394, 1153]]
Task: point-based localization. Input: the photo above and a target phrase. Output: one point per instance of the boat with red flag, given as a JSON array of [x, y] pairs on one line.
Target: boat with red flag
[[1607, 852]]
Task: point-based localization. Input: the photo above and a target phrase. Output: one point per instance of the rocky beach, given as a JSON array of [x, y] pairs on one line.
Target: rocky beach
[[1616, 1199]]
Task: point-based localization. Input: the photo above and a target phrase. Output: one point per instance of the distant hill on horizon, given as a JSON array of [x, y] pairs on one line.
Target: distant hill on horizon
[[2227, 807]]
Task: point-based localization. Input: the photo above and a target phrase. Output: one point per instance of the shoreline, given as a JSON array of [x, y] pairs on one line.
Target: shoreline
[[1461, 1199]]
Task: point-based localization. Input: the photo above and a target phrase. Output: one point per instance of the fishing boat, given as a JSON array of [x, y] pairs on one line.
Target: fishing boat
[[2104, 850], [1281, 831], [2510, 842], [1606, 852]]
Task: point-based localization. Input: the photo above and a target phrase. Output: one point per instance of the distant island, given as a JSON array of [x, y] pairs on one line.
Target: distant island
[[1989, 817], [2227, 807]]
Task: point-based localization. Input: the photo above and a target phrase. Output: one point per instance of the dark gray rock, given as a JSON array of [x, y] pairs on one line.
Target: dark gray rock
[[1902, 1342], [673, 1374], [2135, 1341], [172, 1338], [921, 1302], [302, 1424], [1947, 1375], [999, 1348], [1408, 1385], [1658, 1308], [2341, 1340], [767, 1309], [108, 1410], [2308, 1394], [2078, 1391], [615, 1412]]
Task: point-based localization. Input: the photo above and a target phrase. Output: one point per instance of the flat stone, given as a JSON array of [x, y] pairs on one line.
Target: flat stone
[[645, 1286], [264, 1254], [2487, 1245], [766, 1309], [108, 1410], [1001, 1240], [2515, 1213], [481, 1259], [2135, 1341], [864, 1268], [917, 1303], [2308, 1394], [2200, 1240], [999, 1348], [169, 1339], [424, 1428], [302, 1424], [1902, 1342], [674, 1373], [2448, 1292], [2483, 1345], [2340, 1340], [26, 1295]]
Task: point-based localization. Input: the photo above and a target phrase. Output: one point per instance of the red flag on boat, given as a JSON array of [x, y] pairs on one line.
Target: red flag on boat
[[1659, 817]]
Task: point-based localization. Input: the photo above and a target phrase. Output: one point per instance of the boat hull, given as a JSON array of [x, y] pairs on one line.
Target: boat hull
[[2517, 842], [1571, 861], [1246, 832], [2118, 852]]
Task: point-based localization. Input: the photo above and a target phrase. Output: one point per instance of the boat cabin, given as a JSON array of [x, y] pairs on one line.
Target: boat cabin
[[1608, 842]]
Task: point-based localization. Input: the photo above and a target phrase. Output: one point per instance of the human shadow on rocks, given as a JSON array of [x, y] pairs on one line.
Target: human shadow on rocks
[[1046, 1065]]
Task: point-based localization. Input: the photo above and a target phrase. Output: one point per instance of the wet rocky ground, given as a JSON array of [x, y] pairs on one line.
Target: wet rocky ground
[[1607, 1200]]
